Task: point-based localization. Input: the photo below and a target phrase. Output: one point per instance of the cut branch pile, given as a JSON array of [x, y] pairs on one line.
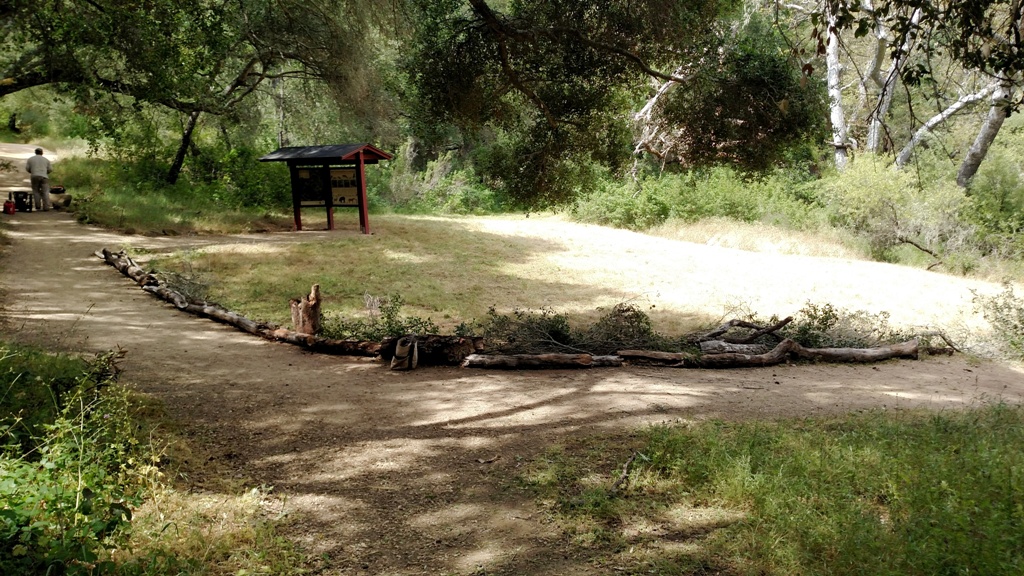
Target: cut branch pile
[[716, 348]]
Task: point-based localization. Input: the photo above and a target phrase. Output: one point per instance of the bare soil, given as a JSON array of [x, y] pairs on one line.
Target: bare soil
[[414, 473]]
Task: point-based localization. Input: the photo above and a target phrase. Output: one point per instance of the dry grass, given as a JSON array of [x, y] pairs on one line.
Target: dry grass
[[209, 534], [758, 237]]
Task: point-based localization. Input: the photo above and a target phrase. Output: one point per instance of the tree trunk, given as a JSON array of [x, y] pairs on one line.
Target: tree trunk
[[924, 130], [777, 355], [306, 312], [876, 120], [840, 141], [518, 361], [186, 141], [723, 347], [873, 70], [997, 113]]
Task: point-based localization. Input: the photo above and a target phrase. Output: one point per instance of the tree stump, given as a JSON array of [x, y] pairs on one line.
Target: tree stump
[[306, 312]]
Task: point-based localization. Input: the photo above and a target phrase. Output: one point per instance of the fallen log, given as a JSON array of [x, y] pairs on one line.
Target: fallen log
[[345, 347], [436, 349], [788, 347], [167, 295], [285, 335], [517, 361], [653, 357], [907, 349], [774, 356], [723, 347], [759, 331], [125, 265]]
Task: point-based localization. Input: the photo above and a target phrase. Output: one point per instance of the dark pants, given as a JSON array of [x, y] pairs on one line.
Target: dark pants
[[41, 192]]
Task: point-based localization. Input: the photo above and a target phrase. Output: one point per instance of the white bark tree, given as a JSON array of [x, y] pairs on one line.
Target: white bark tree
[[833, 73], [876, 120], [964, 101], [997, 113]]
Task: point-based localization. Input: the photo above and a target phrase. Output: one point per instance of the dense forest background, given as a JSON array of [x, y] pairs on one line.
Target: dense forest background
[[892, 121]]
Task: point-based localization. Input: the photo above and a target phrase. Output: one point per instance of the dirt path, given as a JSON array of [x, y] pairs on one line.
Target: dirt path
[[383, 469]]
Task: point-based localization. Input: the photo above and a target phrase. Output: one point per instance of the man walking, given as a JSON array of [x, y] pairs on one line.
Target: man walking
[[39, 167]]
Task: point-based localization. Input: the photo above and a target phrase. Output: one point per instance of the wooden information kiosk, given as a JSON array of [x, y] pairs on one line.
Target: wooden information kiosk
[[329, 176]]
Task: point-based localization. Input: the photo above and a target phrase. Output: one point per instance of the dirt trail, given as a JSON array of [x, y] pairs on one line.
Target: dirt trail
[[383, 468]]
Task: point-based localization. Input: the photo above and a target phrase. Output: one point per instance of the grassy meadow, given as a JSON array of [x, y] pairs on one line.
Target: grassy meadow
[[908, 493]]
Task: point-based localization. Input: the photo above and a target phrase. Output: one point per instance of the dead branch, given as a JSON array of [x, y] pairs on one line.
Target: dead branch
[[625, 473], [759, 331]]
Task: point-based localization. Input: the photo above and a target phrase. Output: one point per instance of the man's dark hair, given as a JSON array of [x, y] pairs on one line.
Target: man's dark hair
[[39, 150]]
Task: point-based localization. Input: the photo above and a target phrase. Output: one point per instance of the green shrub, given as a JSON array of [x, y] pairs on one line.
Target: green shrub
[[996, 204], [624, 326], [66, 493], [721, 192], [385, 320], [442, 185], [1005, 312], [891, 208], [623, 206]]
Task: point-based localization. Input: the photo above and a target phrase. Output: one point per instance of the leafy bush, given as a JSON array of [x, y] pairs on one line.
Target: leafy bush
[[526, 332], [1005, 312], [625, 326], [66, 494], [719, 192], [441, 185], [825, 326], [385, 319], [891, 208], [996, 204]]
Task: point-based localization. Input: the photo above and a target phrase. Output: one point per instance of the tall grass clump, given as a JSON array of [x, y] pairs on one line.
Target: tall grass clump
[[875, 493]]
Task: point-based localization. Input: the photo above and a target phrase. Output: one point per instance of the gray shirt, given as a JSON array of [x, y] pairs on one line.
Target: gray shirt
[[38, 166]]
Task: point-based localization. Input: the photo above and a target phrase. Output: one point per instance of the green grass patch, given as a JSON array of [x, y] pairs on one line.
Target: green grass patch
[[875, 493], [125, 200], [442, 269]]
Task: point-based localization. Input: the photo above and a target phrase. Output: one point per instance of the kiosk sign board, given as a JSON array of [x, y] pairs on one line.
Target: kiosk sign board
[[344, 187], [329, 177]]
